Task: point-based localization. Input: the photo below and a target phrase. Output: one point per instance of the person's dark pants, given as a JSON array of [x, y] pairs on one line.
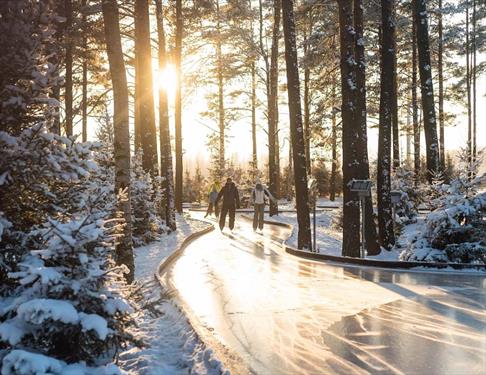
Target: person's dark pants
[[222, 217], [258, 216]]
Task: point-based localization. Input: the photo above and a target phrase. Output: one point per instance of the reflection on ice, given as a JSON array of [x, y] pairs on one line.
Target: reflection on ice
[[284, 315]]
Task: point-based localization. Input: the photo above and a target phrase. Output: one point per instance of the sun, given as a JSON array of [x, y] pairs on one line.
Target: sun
[[168, 79]]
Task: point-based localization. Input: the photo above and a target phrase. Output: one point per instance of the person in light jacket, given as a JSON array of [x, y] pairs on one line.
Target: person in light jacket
[[258, 198], [212, 196]]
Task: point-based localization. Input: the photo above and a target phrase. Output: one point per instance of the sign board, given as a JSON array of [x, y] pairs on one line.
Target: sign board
[[313, 190], [362, 187], [395, 196]]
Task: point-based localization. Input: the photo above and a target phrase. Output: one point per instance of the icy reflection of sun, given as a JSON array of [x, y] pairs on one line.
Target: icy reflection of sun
[[168, 79]]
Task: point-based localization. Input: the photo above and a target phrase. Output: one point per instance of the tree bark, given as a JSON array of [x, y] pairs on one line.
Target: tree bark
[[415, 121], [84, 99], [474, 91], [296, 128], [426, 88], [143, 56], [363, 169], [307, 96], [68, 93], [388, 56], [351, 221], [441, 90], [253, 119], [332, 182], [273, 107], [394, 109], [166, 170], [124, 250], [178, 108], [219, 70]]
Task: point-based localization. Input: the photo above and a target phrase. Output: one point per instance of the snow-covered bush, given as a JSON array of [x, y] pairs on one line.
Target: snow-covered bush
[[147, 224], [58, 226], [28, 69], [403, 181], [456, 229]]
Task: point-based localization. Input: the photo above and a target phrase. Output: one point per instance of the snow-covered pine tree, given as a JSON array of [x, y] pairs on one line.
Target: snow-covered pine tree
[[403, 180], [57, 258], [455, 230], [27, 75], [147, 224]]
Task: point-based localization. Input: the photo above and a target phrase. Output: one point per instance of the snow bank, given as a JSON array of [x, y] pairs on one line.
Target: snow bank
[[170, 345]]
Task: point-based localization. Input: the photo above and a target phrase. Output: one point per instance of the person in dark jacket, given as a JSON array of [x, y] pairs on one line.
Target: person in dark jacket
[[231, 201]]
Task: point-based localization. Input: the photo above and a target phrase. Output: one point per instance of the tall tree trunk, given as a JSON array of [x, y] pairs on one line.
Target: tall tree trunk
[[124, 250], [426, 88], [219, 69], [388, 56], [307, 96], [351, 227], [415, 121], [296, 128], [84, 99], [473, 71], [68, 94], [143, 56], [253, 118], [178, 108], [332, 182], [468, 88], [166, 171], [273, 107], [394, 109], [363, 169], [441, 91]]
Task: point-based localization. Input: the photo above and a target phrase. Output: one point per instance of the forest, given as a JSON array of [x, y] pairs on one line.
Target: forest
[[98, 100]]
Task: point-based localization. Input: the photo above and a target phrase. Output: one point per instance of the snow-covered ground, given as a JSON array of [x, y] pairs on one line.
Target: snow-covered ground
[[170, 345]]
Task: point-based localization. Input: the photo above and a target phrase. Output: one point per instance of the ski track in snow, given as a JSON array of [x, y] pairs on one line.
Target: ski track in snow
[[170, 344]]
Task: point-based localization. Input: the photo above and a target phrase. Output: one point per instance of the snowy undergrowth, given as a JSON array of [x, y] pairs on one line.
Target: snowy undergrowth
[[329, 240], [169, 344]]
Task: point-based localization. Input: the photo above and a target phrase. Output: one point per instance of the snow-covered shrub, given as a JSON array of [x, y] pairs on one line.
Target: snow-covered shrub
[[403, 180], [58, 225], [147, 224], [28, 69], [456, 228]]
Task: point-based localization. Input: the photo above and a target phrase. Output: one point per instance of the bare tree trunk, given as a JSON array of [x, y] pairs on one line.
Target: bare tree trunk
[[146, 99], [178, 108], [307, 98], [166, 171], [363, 169], [253, 118], [273, 107], [332, 182], [84, 99], [394, 109], [219, 69], [426, 86], [388, 56], [351, 221], [442, 155], [415, 121], [68, 94], [124, 250], [473, 71], [296, 128]]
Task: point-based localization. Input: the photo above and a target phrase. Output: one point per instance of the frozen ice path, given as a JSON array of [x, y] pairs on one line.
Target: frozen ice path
[[285, 315]]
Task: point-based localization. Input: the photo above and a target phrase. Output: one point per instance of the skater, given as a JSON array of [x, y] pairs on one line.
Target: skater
[[258, 199], [213, 195], [231, 201]]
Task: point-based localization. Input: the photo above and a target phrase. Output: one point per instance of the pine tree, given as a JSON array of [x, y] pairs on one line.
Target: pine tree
[[124, 251], [296, 127], [178, 107], [388, 65]]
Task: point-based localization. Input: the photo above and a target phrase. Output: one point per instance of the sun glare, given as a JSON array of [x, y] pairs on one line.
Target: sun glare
[[168, 79]]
